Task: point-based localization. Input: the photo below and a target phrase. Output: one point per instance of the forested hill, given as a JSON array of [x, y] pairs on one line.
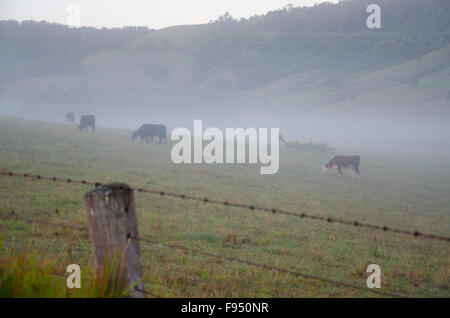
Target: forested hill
[[348, 16], [299, 59]]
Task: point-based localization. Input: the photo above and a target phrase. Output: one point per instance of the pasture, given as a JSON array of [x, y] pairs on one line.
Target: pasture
[[398, 194]]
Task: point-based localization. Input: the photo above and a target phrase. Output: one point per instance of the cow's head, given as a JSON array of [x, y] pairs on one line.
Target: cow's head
[[326, 167], [134, 135], [79, 128]]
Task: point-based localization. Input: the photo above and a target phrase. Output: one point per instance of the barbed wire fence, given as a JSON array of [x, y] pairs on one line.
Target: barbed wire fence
[[14, 216], [162, 193]]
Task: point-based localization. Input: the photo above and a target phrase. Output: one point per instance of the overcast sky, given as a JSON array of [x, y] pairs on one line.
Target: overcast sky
[[152, 13]]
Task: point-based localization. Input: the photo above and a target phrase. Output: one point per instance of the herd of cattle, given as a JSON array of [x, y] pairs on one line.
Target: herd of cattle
[[148, 131]]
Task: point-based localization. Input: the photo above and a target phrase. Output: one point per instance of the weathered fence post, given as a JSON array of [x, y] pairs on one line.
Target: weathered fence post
[[112, 225]]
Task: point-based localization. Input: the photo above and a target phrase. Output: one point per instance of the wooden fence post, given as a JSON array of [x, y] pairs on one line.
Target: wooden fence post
[[112, 225]]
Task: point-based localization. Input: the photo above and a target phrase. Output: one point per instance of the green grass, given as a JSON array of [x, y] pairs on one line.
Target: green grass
[[32, 275], [388, 193]]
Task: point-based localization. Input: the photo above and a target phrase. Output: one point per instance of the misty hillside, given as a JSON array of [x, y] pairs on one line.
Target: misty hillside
[[316, 60]]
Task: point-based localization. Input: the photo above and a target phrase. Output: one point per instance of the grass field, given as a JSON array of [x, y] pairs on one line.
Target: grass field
[[414, 197]]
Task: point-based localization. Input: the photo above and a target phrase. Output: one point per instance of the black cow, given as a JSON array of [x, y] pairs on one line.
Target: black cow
[[87, 121], [148, 131], [343, 162]]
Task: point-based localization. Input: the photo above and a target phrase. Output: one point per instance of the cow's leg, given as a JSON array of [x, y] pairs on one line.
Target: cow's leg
[[339, 170], [356, 168]]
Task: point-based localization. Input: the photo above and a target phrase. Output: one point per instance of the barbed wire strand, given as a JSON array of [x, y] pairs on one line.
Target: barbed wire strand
[[267, 267], [385, 228], [217, 256], [14, 216]]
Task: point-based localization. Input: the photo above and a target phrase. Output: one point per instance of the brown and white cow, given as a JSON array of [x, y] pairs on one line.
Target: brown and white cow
[[341, 162]]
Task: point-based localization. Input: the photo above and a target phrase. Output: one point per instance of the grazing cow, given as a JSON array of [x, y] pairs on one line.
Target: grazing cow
[[87, 121], [70, 118], [343, 162], [148, 131]]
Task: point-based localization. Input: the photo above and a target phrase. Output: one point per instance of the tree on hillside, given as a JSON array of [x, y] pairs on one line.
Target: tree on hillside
[[226, 18]]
